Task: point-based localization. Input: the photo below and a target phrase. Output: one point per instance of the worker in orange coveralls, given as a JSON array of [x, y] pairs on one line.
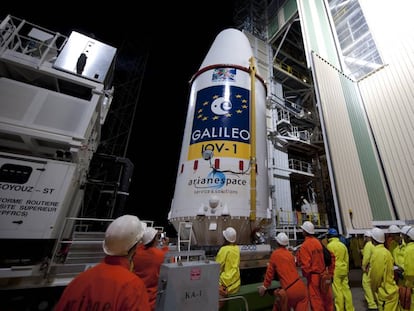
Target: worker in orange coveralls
[[282, 264], [111, 284], [148, 260], [310, 259]]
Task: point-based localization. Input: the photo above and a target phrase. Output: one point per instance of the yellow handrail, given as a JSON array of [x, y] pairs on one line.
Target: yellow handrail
[[252, 69]]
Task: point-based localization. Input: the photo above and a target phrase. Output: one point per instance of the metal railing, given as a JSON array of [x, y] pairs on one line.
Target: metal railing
[[246, 305], [290, 218], [81, 239], [38, 43], [299, 165]]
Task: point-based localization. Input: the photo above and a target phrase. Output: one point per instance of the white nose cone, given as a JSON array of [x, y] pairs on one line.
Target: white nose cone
[[225, 129], [231, 47]]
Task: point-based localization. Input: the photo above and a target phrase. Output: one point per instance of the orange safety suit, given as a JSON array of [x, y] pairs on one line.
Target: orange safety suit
[[147, 263], [109, 285], [282, 264], [310, 259]]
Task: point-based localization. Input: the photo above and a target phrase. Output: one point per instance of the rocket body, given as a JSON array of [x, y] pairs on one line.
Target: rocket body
[[214, 182]]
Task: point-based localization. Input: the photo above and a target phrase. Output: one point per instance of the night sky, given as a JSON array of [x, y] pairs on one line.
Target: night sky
[[177, 37]]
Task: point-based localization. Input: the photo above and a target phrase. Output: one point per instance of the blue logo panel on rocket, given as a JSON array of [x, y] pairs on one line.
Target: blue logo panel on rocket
[[221, 114]]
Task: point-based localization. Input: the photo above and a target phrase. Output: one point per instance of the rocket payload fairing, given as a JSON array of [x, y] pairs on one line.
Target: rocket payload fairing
[[222, 177]]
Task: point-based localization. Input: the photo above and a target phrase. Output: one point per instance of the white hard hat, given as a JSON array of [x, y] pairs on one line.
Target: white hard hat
[[308, 227], [282, 239], [149, 235], [410, 233], [230, 234], [122, 234], [368, 233], [378, 235], [405, 229], [394, 229]]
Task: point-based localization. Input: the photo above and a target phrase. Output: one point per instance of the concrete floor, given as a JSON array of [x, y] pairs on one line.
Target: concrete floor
[[358, 299], [355, 280]]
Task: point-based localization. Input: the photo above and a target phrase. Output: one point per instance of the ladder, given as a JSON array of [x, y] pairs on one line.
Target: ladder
[[185, 233], [291, 233]]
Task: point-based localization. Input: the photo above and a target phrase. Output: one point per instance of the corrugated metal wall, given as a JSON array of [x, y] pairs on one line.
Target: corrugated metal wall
[[388, 96], [368, 124], [341, 149], [356, 173]]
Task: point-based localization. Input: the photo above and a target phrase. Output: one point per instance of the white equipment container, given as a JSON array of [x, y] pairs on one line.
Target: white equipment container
[[188, 286]]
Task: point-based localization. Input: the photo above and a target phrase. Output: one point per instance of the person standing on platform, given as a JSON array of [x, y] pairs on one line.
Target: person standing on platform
[[311, 260], [340, 285], [148, 260], [298, 211], [366, 284], [283, 267], [381, 273], [111, 284]]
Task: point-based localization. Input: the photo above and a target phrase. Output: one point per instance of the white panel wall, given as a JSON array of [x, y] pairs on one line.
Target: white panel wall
[[340, 144], [388, 95]]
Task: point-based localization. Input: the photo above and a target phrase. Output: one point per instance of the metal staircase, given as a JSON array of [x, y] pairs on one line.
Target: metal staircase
[[185, 233], [79, 250], [291, 232]]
